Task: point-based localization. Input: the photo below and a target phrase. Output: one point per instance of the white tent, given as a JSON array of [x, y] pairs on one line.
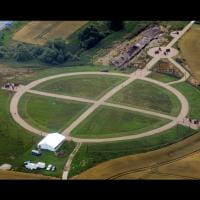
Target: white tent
[[51, 142]]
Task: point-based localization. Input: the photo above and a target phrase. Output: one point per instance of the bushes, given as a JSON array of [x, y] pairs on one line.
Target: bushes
[[116, 25], [23, 53], [54, 52], [90, 36]]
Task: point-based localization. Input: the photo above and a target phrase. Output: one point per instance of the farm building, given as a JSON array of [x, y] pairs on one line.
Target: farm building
[[134, 49], [51, 142]]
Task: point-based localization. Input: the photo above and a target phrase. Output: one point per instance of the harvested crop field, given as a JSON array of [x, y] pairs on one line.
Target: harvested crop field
[[190, 49], [19, 175], [38, 32]]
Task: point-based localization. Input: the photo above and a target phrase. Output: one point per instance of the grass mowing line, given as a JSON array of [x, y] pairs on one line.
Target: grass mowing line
[[90, 155], [48, 116], [84, 86], [108, 122], [149, 96]]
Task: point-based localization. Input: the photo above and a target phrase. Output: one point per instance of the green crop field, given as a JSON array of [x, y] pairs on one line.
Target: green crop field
[[112, 122], [89, 155], [87, 86], [49, 114], [148, 96]]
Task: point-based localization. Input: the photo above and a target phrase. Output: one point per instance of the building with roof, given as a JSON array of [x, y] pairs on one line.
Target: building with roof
[[134, 49], [51, 142]]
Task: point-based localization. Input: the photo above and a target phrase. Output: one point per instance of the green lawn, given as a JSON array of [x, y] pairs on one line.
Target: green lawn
[[86, 86], [114, 122], [145, 95], [175, 25], [90, 155], [162, 77], [49, 114], [193, 96], [16, 143], [14, 139], [49, 158]]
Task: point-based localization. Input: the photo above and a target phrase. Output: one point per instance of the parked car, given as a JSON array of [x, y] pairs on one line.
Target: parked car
[[31, 166], [53, 168], [49, 167], [36, 153]]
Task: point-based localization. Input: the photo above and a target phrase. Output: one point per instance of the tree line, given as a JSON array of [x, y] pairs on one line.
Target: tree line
[[55, 52]]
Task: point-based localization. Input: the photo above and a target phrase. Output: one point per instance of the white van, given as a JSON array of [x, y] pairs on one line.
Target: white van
[[31, 166], [41, 165]]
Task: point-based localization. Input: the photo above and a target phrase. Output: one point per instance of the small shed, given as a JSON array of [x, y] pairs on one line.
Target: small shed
[[51, 142]]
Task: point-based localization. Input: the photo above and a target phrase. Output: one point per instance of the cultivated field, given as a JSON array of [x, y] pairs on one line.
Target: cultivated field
[[12, 175], [38, 32], [190, 49], [90, 155]]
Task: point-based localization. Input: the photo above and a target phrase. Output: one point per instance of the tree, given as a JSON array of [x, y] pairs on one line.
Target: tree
[[90, 36], [23, 53], [116, 25]]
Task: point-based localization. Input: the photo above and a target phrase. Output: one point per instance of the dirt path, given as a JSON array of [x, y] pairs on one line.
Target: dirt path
[[68, 164], [186, 75], [139, 74]]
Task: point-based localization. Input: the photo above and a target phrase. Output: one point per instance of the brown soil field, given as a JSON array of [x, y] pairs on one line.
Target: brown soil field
[[38, 32], [177, 161], [190, 49], [10, 175]]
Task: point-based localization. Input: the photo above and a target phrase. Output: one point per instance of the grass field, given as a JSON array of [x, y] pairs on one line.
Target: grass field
[[148, 96], [174, 25], [193, 96], [86, 86], [49, 114], [14, 139], [49, 158], [189, 45], [114, 122], [162, 77], [16, 143], [38, 32], [89, 155]]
